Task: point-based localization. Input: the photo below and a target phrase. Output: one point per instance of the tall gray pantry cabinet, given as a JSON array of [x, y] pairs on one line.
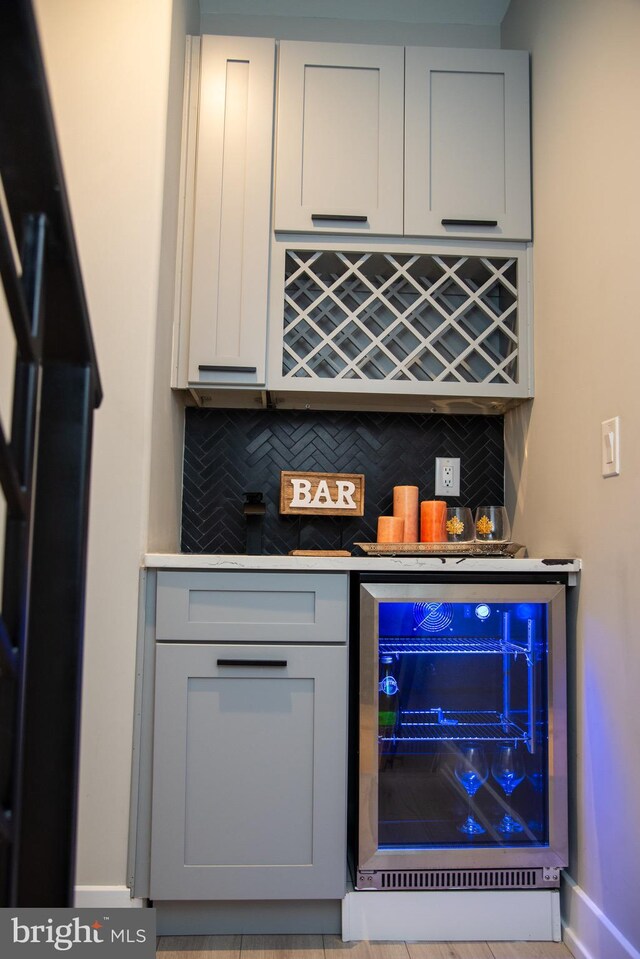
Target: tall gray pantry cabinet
[[249, 736]]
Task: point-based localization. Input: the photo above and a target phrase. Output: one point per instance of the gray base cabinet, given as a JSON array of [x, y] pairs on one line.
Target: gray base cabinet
[[249, 756]]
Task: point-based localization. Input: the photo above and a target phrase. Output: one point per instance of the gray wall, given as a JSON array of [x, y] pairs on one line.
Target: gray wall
[[586, 157], [116, 94]]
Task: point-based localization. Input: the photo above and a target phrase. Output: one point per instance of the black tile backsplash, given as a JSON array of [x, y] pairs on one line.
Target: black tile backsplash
[[228, 452]]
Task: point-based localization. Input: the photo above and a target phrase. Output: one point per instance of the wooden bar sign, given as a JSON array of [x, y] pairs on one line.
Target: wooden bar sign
[[321, 494]]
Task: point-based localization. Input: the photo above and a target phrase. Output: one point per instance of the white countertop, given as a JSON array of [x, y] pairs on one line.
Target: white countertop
[[372, 564]]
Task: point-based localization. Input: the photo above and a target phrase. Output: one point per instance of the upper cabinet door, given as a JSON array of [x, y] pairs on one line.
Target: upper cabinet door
[[467, 161], [231, 210], [339, 147]]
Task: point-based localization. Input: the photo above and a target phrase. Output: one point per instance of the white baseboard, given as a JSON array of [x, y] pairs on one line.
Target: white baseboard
[[588, 933], [458, 915], [111, 897]]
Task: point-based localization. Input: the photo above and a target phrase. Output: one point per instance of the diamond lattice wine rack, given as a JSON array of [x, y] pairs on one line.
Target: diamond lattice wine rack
[[429, 323]]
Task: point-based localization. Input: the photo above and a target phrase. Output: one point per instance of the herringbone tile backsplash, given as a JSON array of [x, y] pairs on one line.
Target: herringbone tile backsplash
[[228, 452]]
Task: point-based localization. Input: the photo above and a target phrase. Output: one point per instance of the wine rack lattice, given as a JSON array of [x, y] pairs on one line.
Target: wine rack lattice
[[402, 317]]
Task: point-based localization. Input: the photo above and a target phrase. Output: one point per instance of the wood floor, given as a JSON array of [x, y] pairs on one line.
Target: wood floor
[[332, 947]]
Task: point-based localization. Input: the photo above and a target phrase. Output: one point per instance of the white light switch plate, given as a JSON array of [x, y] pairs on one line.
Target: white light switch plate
[[610, 446]]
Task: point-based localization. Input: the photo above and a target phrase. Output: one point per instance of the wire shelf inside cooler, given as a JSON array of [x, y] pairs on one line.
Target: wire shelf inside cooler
[[438, 725], [408, 645]]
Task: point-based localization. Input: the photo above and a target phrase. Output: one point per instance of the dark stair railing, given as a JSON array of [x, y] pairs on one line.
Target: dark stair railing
[[44, 479]]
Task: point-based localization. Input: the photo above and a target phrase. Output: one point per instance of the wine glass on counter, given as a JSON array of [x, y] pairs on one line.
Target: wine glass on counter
[[471, 771], [508, 771], [492, 524], [459, 525]]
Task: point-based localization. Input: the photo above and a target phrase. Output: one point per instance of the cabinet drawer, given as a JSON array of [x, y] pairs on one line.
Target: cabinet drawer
[[252, 607]]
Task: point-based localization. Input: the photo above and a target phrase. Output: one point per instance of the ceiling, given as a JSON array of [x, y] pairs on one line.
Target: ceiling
[[480, 12]]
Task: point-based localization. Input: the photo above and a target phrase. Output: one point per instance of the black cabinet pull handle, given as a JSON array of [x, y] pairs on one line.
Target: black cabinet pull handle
[[469, 222], [340, 217], [227, 369], [270, 663]]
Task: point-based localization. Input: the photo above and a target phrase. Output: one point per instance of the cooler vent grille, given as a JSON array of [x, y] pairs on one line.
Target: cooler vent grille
[[462, 879]]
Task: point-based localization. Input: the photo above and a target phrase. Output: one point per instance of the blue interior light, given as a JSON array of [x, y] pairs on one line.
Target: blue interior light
[[483, 611], [525, 611]]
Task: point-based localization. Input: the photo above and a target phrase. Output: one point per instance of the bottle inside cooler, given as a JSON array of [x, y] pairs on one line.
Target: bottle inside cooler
[[387, 698]]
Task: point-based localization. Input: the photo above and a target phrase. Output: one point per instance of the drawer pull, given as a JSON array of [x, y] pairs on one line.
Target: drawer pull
[[469, 222], [270, 663], [227, 369], [340, 217]]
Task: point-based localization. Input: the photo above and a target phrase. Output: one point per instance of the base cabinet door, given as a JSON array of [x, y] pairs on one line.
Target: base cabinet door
[[249, 772], [467, 164]]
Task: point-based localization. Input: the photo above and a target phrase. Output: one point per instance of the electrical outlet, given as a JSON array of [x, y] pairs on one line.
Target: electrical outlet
[[447, 476]]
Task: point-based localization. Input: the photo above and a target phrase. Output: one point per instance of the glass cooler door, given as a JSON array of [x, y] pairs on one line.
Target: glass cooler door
[[461, 686]]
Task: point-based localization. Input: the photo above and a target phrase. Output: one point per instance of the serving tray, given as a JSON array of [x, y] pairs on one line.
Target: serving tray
[[440, 549]]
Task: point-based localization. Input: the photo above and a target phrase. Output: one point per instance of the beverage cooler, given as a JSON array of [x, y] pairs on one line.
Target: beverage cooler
[[461, 780]]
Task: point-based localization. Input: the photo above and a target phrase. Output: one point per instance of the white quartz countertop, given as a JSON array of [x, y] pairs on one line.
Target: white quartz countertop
[[372, 564]]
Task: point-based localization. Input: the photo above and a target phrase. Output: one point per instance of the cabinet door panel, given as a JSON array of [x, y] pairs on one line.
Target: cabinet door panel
[[339, 140], [341, 134], [249, 773], [248, 725], [232, 207], [467, 143]]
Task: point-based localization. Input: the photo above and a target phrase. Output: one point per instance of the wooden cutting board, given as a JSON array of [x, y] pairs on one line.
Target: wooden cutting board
[[319, 552]]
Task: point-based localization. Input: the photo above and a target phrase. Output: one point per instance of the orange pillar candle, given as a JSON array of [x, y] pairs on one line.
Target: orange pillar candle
[[390, 529], [432, 519], [405, 505]]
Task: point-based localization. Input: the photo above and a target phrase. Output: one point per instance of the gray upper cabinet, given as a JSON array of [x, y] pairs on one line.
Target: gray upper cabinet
[[339, 141], [226, 210], [467, 158], [346, 113], [394, 262], [395, 321]]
